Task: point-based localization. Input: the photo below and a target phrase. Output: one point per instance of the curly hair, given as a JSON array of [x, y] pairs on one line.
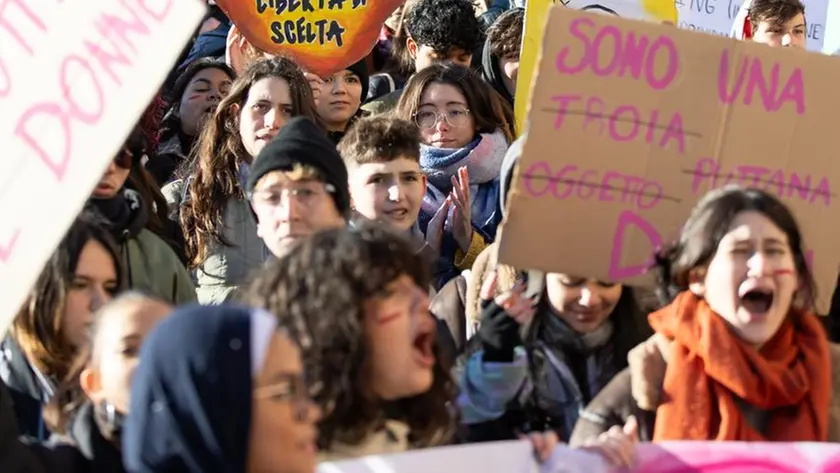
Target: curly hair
[[321, 287], [490, 111], [444, 25], [505, 36], [220, 152]]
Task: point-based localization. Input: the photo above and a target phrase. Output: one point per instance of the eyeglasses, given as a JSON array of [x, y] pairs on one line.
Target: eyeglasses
[[306, 195], [430, 118], [292, 389]]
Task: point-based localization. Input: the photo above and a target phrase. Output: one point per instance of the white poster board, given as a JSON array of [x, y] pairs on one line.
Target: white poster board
[[665, 457], [718, 16], [75, 75]]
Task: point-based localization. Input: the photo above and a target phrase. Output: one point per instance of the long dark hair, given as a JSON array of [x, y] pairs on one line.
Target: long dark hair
[[220, 152], [321, 286], [709, 222], [489, 110], [171, 123], [37, 326]]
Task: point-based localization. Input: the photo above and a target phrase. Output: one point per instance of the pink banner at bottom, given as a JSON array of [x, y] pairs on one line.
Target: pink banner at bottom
[[739, 457]]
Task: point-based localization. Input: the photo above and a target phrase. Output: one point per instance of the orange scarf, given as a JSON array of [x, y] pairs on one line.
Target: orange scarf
[[709, 366]]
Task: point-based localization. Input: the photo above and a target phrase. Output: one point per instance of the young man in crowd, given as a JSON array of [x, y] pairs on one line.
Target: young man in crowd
[[438, 30], [778, 23], [382, 155], [500, 57], [297, 186]]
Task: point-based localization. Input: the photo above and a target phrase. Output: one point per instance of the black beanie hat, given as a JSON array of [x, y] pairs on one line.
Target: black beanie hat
[[301, 141], [361, 69]]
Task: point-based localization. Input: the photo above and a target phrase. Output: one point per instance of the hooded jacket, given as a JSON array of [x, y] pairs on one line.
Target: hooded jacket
[[150, 263], [191, 400], [492, 74]]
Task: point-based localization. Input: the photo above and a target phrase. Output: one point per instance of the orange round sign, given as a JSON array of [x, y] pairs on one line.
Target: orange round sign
[[322, 36]]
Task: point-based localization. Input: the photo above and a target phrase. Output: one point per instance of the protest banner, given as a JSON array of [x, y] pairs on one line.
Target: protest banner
[[632, 122], [719, 16], [322, 36], [667, 457], [536, 12], [75, 75]]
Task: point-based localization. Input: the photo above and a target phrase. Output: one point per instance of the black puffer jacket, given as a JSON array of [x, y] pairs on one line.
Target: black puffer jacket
[[85, 451]]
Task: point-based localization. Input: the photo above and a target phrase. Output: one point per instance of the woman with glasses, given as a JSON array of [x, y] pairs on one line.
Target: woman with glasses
[[222, 242], [134, 212], [465, 129], [220, 389]]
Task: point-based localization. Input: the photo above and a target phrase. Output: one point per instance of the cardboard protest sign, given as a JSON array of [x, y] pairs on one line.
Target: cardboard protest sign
[[74, 78], [667, 457], [632, 122], [536, 12], [322, 36]]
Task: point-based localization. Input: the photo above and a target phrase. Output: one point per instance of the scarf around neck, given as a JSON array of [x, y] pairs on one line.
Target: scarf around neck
[[710, 369], [559, 392], [483, 158]]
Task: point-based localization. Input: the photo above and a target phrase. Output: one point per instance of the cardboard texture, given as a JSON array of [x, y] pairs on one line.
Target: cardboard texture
[[632, 122], [536, 12], [322, 37]]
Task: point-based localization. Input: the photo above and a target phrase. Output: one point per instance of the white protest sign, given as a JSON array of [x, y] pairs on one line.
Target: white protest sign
[[75, 75], [717, 17], [665, 457], [493, 457]]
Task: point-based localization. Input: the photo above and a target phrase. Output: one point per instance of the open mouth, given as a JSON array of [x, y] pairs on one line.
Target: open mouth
[[397, 214], [423, 348], [757, 301]]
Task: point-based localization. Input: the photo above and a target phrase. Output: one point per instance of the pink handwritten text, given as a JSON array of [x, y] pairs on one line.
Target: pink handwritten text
[[8, 248], [604, 186], [116, 31], [751, 80], [10, 26], [627, 221], [633, 54], [786, 184], [623, 123]]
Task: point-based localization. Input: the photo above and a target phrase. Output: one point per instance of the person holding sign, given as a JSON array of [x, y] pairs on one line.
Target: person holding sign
[[465, 129], [744, 358], [83, 273], [544, 348], [209, 201]]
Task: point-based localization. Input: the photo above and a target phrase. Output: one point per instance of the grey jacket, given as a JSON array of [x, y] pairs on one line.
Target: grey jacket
[[226, 267]]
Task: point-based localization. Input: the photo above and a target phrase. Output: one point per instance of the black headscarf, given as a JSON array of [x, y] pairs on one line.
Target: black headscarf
[[191, 395]]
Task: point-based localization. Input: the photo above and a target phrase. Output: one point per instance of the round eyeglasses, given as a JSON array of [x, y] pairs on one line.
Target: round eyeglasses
[[457, 117]]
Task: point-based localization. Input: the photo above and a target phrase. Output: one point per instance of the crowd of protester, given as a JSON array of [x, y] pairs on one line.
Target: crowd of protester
[[279, 269]]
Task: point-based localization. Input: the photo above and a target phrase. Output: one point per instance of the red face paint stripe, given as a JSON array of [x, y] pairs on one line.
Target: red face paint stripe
[[782, 272], [388, 318]]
